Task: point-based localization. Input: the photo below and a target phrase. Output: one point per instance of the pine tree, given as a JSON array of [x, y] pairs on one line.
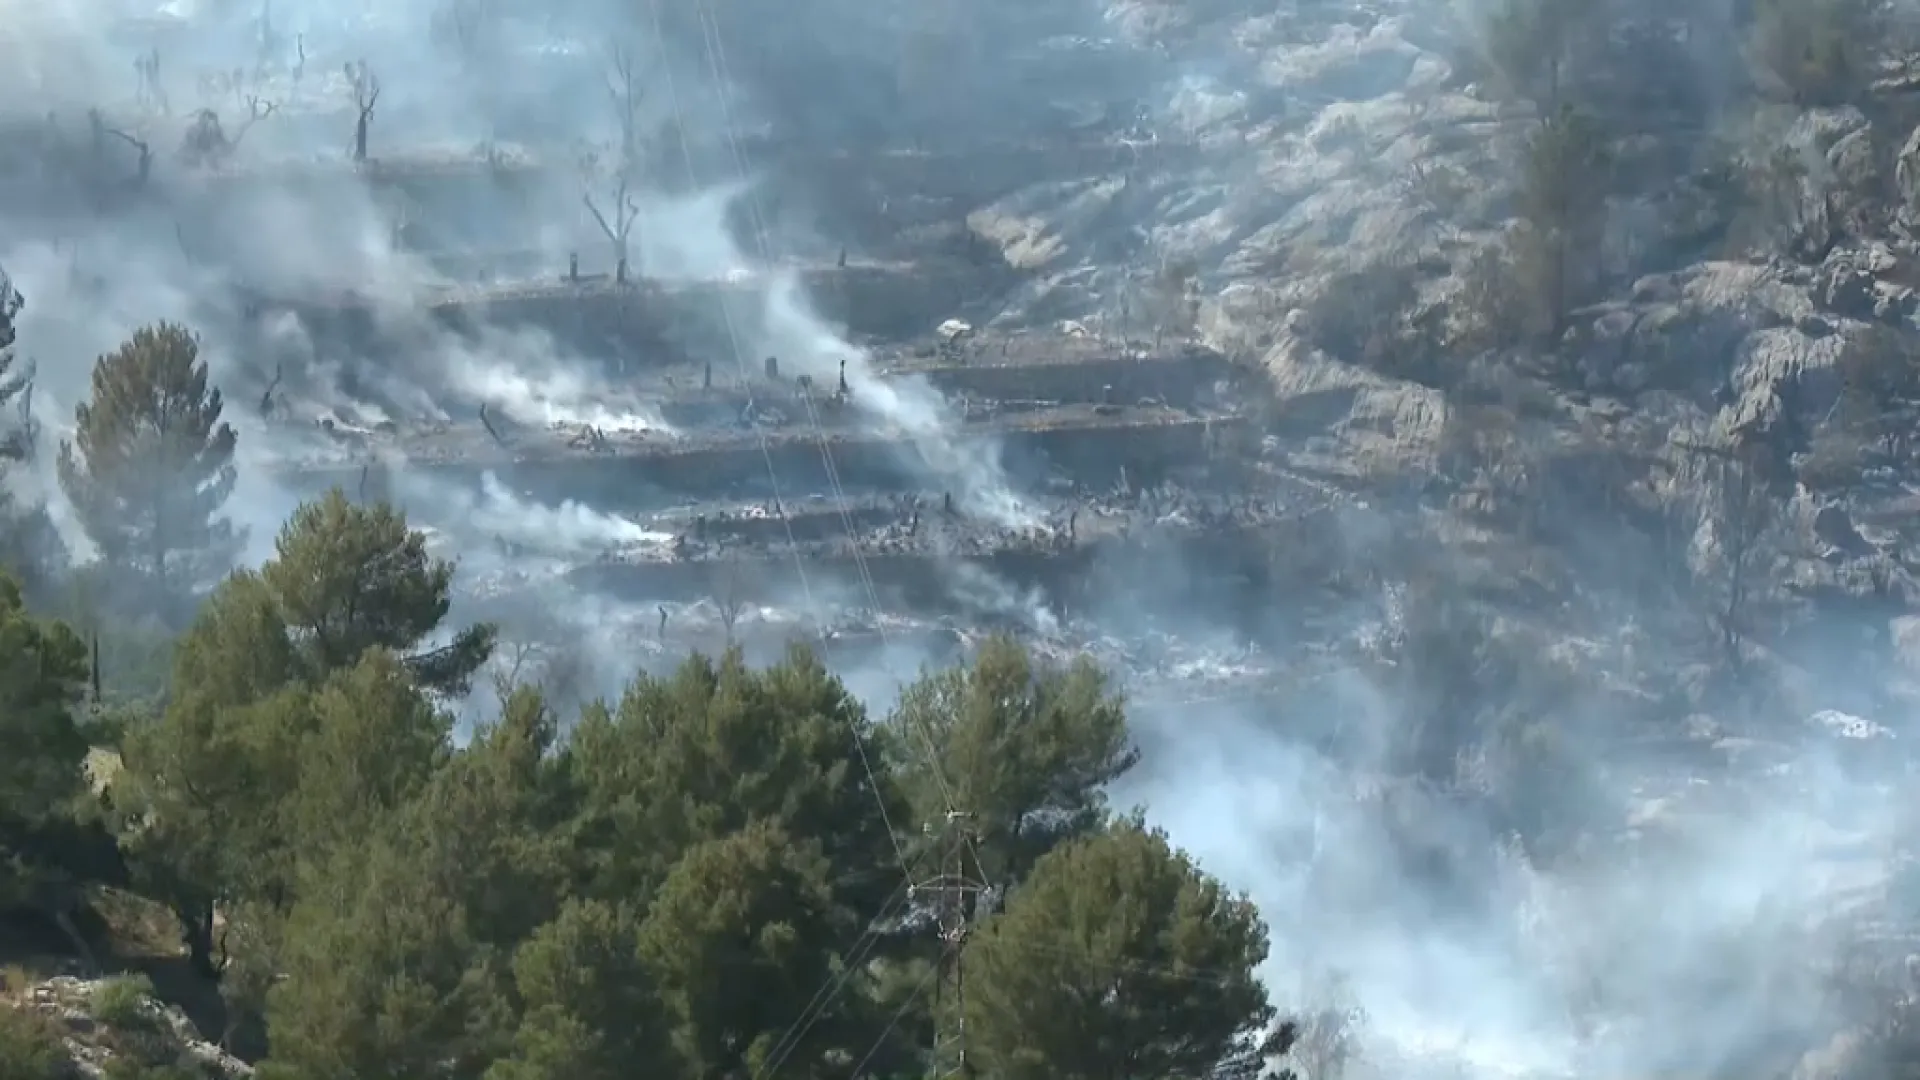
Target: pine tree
[[1028, 748], [27, 540], [588, 1009], [738, 940], [44, 846], [1119, 957], [347, 578], [1562, 213], [15, 383], [151, 464]]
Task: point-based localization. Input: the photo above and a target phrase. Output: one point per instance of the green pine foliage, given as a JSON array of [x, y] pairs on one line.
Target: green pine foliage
[[709, 877], [151, 464], [1116, 940]]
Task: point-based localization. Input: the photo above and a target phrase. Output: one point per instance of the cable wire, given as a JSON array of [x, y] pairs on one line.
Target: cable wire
[[733, 340], [857, 955], [722, 77], [830, 990], [716, 61], [898, 1015], [773, 478]]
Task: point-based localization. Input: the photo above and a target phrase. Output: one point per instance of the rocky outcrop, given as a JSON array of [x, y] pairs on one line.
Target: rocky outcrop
[[1332, 140], [102, 1021]]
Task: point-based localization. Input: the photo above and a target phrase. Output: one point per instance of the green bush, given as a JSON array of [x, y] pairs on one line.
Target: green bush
[[121, 1002], [30, 1046]]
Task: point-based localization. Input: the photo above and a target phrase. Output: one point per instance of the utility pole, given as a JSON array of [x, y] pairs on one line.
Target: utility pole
[[955, 897]]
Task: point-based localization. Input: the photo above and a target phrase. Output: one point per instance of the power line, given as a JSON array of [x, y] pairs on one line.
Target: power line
[[824, 996], [773, 478], [956, 891], [854, 961], [733, 338], [828, 991], [717, 66], [899, 1014]]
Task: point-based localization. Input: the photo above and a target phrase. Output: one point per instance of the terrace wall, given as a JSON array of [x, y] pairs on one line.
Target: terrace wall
[[1099, 456]]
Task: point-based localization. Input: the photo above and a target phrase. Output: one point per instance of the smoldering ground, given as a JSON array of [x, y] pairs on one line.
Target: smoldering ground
[[1688, 933]]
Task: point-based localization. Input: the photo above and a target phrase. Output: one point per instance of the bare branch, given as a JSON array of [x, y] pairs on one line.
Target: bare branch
[[366, 86], [487, 422], [366, 94], [258, 109], [620, 83], [266, 398], [731, 590], [605, 226], [625, 209], [145, 168]]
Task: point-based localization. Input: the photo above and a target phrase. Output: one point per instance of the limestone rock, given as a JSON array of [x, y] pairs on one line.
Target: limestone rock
[[93, 1044]]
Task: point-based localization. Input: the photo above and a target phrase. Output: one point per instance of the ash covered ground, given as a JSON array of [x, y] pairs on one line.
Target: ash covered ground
[[825, 340]]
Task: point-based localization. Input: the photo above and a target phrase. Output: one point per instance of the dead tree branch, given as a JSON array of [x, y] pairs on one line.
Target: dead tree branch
[[258, 109], [625, 210], [180, 238], [366, 94], [620, 87], [731, 590], [145, 168], [266, 397], [487, 422]]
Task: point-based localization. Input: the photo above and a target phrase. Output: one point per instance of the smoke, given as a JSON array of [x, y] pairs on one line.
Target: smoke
[[518, 372], [1685, 931], [1698, 929], [910, 406], [568, 529]]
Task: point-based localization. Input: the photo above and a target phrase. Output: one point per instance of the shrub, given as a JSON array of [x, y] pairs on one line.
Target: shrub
[[31, 1046], [121, 1002], [15, 979]]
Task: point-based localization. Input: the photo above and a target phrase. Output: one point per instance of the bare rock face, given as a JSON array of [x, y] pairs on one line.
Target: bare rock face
[[1331, 140], [1354, 422], [1322, 146]]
